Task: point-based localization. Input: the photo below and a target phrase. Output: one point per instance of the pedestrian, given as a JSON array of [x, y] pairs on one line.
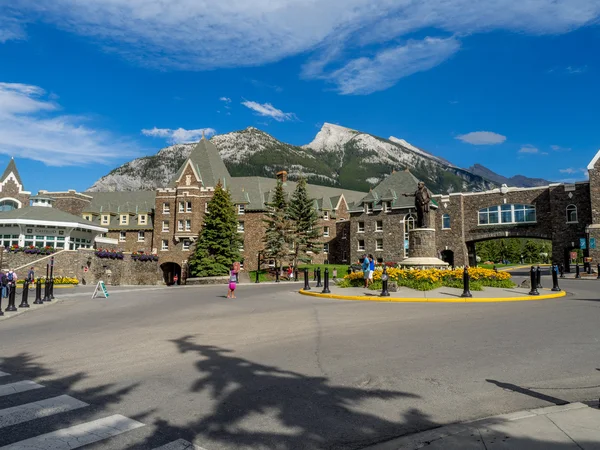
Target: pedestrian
[[365, 268], [334, 273], [371, 268], [4, 281], [290, 271], [12, 276], [31, 275], [232, 281], [175, 279]]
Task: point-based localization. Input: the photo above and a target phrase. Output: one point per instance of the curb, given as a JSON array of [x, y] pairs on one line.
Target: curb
[[434, 300]]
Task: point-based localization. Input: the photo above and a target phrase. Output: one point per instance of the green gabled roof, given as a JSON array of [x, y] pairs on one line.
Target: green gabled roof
[[43, 213], [389, 195], [399, 183], [12, 167], [121, 202], [207, 163], [326, 203], [370, 197]]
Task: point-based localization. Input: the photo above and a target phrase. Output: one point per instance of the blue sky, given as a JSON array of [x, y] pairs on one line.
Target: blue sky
[[512, 85]]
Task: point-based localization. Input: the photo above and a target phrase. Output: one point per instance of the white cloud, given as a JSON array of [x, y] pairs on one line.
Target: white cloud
[[482, 138], [180, 135], [268, 110], [203, 35], [10, 29], [572, 170], [31, 126], [530, 149], [558, 148], [576, 70], [225, 99]]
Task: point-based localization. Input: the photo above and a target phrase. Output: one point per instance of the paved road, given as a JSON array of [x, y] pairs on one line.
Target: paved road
[[276, 370]]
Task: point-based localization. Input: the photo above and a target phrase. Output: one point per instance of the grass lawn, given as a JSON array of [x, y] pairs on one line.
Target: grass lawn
[[491, 266], [265, 275]]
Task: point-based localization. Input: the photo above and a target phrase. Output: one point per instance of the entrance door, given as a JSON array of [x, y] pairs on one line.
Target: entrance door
[[170, 270], [448, 256]]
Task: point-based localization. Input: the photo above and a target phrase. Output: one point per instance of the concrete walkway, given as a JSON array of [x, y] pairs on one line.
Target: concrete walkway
[[572, 426], [443, 294]]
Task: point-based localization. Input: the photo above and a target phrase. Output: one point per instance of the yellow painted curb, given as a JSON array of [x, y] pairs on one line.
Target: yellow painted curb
[[376, 298]]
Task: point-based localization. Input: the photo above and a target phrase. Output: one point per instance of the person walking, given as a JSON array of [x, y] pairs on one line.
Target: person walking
[[232, 283], [31, 275], [371, 268], [4, 282], [365, 268]]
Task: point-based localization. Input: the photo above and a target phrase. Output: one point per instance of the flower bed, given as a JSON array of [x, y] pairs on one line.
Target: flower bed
[[32, 250], [141, 256], [428, 279], [112, 254], [58, 280]]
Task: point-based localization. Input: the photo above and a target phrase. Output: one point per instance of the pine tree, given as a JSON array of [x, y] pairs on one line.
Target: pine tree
[[305, 233], [219, 242], [278, 227]]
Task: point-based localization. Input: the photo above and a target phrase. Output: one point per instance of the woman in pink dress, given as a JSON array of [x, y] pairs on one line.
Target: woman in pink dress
[[232, 285]]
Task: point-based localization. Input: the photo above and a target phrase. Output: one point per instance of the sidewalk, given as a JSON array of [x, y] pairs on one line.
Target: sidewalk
[[572, 426], [443, 294]]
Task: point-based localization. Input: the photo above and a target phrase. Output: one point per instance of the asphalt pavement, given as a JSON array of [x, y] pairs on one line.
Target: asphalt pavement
[[276, 370]]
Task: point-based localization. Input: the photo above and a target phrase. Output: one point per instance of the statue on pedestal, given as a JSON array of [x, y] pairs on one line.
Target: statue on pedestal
[[422, 200]]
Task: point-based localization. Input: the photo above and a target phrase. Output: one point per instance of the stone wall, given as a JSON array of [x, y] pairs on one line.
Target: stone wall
[[71, 201], [11, 189], [131, 243], [71, 263]]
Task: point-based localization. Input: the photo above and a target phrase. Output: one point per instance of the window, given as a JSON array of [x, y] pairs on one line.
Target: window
[[387, 207], [446, 222], [379, 244], [344, 234], [361, 227], [142, 219], [326, 231], [180, 225], [344, 256], [188, 225], [8, 205], [326, 248], [124, 219], [242, 246], [188, 206], [105, 219], [181, 207], [409, 224], [165, 225], [369, 208], [241, 209], [186, 245], [122, 236], [205, 208], [165, 245], [507, 214], [87, 217], [571, 214], [379, 225], [141, 236], [166, 208], [325, 215], [240, 227], [361, 244]]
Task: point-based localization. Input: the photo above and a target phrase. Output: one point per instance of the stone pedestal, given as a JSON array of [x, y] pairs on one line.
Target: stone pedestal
[[422, 252]]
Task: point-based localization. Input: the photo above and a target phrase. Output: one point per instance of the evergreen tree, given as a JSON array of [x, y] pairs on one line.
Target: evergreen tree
[[531, 251], [278, 227], [305, 233], [219, 242]]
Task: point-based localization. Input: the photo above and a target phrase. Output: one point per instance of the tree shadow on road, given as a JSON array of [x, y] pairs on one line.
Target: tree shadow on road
[[261, 406]]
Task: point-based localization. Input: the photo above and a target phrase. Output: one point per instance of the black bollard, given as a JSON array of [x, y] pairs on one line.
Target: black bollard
[[561, 268], [538, 275], [533, 279], [12, 291], [257, 274], [319, 284], [555, 287], [295, 274], [38, 292], [577, 275], [24, 303], [589, 268], [326, 282], [384, 283], [598, 276], [1, 313], [315, 274], [466, 280], [277, 275], [306, 285], [51, 278]]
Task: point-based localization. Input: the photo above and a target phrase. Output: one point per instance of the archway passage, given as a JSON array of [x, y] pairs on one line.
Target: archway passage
[[448, 256], [170, 271], [511, 251]]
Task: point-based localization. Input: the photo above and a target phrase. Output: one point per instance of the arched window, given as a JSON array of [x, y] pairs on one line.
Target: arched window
[[571, 214], [446, 222], [8, 205], [410, 220], [506, 214]]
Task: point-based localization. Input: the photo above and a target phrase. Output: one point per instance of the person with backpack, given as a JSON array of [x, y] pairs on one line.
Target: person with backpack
[[12, 277], [371, 268], [232, 282], [4, 283], [31, 275]]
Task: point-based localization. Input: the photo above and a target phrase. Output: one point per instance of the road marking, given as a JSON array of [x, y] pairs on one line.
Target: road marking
[[78, 435], [179, 444], [37, 410], [19, 386], [3, 374]]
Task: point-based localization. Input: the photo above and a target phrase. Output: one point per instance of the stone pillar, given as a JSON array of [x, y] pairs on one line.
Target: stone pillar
[[422, 251], [594, 233]]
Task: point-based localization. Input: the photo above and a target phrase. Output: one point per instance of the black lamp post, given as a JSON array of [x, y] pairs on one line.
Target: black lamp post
[[258, 267]]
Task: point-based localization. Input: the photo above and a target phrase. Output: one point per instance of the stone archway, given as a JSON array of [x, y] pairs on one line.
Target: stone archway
[[448, 256], [170, 271]]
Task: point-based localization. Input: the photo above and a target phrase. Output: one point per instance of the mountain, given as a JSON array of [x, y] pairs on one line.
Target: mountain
[[516, 181], [337, 156]]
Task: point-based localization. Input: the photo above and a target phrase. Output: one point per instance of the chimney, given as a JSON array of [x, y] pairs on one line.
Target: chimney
[[282, 176]]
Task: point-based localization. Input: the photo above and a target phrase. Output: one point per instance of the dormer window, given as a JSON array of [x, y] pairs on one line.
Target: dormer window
[[241, 209], [387, 207], [124, 219], [325, 215], [142, 219], [369, 208], [87, 217], [105, 219]]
